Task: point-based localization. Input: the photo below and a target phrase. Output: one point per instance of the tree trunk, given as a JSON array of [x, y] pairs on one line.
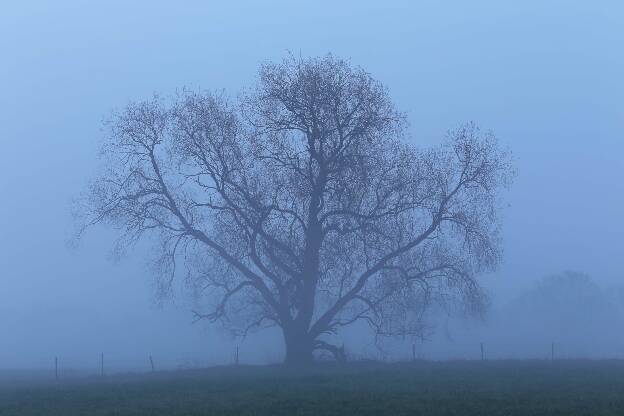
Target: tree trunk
[[298, 349]]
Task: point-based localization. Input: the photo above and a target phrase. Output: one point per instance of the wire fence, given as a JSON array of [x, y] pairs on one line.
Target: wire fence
[[64, 368]]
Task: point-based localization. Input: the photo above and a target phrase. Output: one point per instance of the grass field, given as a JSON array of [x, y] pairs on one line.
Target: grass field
[[421, 388]]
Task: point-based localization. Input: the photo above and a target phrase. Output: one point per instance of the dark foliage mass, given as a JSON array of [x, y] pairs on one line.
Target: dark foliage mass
[[301, 204]]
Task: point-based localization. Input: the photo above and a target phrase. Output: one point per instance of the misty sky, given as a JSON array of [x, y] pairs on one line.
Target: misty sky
[[546, 76]]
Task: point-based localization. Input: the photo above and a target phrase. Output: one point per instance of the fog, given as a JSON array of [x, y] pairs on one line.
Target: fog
[[546, 77]]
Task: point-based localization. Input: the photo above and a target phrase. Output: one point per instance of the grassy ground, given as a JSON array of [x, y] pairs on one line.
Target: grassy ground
[[422, 388]]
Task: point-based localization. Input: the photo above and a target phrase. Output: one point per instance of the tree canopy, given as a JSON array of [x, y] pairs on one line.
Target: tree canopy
[[302, 203]]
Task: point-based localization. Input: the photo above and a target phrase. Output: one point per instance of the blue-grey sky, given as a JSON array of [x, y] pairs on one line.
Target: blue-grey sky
[[546, 76]]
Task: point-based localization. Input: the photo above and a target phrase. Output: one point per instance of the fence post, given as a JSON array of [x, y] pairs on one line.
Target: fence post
[[236, 356], [56, 368], [102, 364], [552, 351], [413, 351], [151, 363]]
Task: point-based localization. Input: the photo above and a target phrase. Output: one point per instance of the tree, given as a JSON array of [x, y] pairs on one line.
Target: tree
[[567, 308], [301, 205]]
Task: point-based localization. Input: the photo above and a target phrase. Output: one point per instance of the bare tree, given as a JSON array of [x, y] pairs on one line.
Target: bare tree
[[301, 205]]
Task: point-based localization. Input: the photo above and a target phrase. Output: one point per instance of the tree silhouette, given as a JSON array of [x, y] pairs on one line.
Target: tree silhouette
[[300, 204]]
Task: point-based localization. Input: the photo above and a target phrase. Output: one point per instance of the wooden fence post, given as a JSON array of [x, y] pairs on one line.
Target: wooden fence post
[[56, 368], [151, 363], [482, 353]]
